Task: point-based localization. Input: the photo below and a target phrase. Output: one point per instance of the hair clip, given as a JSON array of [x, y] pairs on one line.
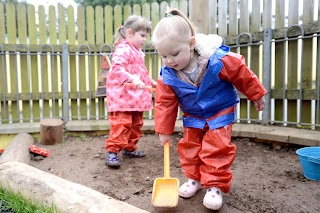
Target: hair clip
[[168, 15]]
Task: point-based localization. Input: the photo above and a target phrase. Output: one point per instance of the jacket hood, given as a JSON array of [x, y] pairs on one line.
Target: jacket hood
[[206, 45]]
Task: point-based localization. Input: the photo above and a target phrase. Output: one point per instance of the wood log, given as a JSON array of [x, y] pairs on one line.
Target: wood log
[[18, 149], [51, 131], [44, 188]]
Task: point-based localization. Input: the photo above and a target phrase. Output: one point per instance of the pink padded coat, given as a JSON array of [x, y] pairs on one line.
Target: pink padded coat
[[127, 63]]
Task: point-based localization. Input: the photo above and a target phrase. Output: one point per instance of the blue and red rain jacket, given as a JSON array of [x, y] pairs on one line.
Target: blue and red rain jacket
[[213, 102]]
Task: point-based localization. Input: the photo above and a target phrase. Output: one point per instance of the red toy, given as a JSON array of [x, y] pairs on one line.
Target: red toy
[[34, 150]]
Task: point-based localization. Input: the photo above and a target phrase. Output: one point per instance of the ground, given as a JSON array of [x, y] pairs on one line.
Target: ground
[[267, 177]]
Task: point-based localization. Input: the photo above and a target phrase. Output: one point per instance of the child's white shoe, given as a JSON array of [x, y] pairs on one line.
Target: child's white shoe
[[189, 188], [213, 199]]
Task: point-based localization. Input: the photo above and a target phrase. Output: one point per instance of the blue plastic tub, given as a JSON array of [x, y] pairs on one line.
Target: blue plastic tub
[[310, 161]]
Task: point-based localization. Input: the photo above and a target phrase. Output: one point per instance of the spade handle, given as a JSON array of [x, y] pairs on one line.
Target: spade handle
[[166, 156]]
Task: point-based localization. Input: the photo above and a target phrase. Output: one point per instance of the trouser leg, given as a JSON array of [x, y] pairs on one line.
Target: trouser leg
[[188, 148], [136, 132], [217, 155], [210, 159], [120, 131]]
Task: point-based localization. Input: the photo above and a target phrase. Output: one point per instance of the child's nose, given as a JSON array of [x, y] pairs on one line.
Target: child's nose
[[170, 60]]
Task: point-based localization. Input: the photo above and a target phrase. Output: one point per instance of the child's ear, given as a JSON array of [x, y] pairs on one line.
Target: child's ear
[[192, 42], [129, 32]]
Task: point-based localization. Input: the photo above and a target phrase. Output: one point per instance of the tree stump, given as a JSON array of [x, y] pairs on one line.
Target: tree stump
[[51, 131], [18, 149]]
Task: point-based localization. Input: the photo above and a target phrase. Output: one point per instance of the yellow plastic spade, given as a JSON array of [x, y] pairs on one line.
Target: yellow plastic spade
[[165, 190]]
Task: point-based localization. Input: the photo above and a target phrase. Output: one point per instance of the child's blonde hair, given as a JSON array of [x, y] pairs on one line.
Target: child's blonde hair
[[135, 23], [176, 21]]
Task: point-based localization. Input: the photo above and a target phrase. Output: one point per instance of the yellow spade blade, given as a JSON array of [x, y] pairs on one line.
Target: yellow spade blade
[[165, 190]]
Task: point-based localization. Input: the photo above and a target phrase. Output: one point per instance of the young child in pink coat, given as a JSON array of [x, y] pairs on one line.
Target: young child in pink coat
[[126, 104]]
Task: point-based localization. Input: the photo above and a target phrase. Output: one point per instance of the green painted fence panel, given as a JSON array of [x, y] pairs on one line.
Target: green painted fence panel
[[48, 62], [91, 61], [42, 25], [136, 9], [83, 71], [174, 4], [245, 107], [100, 41], [99, 25], [255, 64], [279, 60], [233, 17], [44, 83], [32, 28], [99, 101], [22, 23], [222, 22], [108, 24], [292, 74], [212, 25], [56, 66], [90, 25], [2, 24], [307, 52], [183, 6], [81, 86], [80, 104], [52, 25], [155, 16], [23, 65], [71, 26], [72, 58], [146, 11], [12, 38], [32, 34], [117, 17], [3, 80], [163, 8], [81, 37], [37, 71], [3, 105], [11, 23], [62, 24], [127, 11], [157, 12]]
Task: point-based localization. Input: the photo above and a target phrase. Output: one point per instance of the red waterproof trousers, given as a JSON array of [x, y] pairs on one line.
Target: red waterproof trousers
[[125, 131], [207, 155]]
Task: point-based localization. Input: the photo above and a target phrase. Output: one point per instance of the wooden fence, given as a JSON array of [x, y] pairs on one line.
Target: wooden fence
[[50, 57]]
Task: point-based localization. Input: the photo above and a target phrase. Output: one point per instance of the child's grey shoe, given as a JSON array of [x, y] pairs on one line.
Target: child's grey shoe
[[112, 160], [133, 154]]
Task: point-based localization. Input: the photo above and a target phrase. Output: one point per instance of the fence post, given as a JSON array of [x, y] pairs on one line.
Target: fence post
[[65, 83], [266, 115]]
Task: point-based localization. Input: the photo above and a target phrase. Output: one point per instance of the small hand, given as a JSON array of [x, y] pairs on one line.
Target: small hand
[[138, 83], [164, 139], [153, 83], [259, 104]]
